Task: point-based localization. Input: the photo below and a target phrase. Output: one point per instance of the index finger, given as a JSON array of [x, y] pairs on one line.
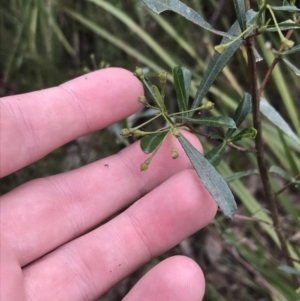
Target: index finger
[[34, 124]]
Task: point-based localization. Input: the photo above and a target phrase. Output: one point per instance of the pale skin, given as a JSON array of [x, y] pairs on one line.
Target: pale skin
[[51, 247]]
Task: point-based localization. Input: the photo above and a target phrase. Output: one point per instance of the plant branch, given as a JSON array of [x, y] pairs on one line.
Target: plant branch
[[287, 185], [260, 149], [242, 149]]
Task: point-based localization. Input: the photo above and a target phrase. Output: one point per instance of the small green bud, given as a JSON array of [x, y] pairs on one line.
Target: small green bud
[[176, 132], [174, 153], [208, 105], [126, 132], [163, 77], [139, 72], [287, 44], [220, 48], [144, 166], [142, 100], [138, 133]]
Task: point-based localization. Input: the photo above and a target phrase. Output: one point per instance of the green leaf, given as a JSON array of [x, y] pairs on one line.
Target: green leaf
[[182, 83], [216, 65], [214, 136], [149, 90], [251, 18], [216, 121], [292, 50], [159, 6], [262, 20], [210, 178], [158, 97], [291, 66], [249, 132], [240, 11], [289, 8], [285, 25], [244, 108], [288, 153], [289, 270], [215, 155], [151, 142], [279, 171], [269, 112], [241, 174]]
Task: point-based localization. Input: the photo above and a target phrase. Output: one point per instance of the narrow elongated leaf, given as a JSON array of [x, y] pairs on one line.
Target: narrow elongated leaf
[[61, 37], [244, 108], [182, 83], [158, 97], [269, 112], [159, 6], [215, 136], [240, 11], [251, 18], [289, 270], [216, 121], [215, 155], [288, 153], [211, 179], [150, 142], [249, 132], [291, 66], [241, 174], [292, 50], [216, 65], [262, 20], [279, 171], [289, 8], [285, 25], [149, 90]]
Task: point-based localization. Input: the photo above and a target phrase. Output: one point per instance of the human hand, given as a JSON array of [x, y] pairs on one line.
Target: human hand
[[50, 246]]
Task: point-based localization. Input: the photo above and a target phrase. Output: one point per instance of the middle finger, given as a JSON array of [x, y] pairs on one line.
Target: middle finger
[[45, 213]]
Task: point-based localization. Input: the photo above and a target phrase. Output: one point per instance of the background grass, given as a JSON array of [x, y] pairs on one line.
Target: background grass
[[44, 43]]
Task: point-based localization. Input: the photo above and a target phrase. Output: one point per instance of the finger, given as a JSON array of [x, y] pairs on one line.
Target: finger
[[12, 286], [88, 266], [43, 214], [34, 124], [177, 278]]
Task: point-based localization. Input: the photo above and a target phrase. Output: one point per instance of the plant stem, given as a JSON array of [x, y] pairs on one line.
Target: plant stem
[[287, 185], [148, 121], [242, 149], [275, 61], [260, 149], [184, 112]]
